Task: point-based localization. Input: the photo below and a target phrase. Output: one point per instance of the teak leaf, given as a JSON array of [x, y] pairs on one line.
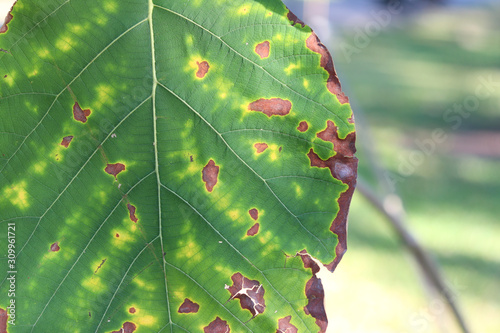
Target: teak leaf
[[169, 166]]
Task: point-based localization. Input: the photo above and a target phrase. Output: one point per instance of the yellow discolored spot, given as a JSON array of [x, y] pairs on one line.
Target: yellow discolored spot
[[224, 270], [233, 214], [278, 36], [105, 94], [291, 67], [189, 40], [75, 28], [269, 14], [9, 78], [298, 190], [110, 6], [64, 43], [121, 238], [244, 10], [94, 284], [101, 19], [17, 195], [189, 249], [33, 73], [223, 95], [306, 84], [42, 53], [39, 167], [148, 320]]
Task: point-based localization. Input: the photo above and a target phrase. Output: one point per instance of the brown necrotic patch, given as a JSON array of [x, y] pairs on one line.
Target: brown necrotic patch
[[254, 213], [79, 114], [260, 147], [114, 169], [132, 310], [217, 326], [210, 175], [316, 303], [131, 211], [345, 147], [203, 68], [284, 326], [117, 235], [249, 292], [343, 168], [303, 126], [100, 266], [128, 327], [66, 141], [54, 247], [188, 306], [254, 230], [7, 20], [326, 61], [262, 49], [294, 19], [3, 320], [271, 107]]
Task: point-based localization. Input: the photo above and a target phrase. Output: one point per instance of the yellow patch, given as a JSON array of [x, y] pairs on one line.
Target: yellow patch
[[105, 92], [94, 284], [75, 28], [298, 190], [233, 214], [33, 73], [244, 10], [306, 84], [189, 40], [17, 195], [189, 249], [9, 79], [39, 167], [146, 320], [43, 53], [64, 43], [110, 6], [291, 67], [278, 36]]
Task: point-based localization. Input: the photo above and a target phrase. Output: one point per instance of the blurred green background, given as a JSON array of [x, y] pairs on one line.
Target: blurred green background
[[410, 70]]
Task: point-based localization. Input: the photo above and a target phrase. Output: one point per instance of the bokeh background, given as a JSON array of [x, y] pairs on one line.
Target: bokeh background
[[423, 78]]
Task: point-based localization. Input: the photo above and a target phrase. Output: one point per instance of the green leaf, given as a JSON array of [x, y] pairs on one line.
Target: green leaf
[[169, 166]]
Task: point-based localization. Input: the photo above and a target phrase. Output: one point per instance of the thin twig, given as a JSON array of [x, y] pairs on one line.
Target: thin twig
[[429, 268]]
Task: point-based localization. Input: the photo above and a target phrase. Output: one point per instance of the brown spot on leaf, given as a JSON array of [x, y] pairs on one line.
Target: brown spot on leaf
[[217, 326], [100, 265], [262, 49], [250, 293], [55, 247], [344, 169], [66, 141], [294, 19], [345, 147], [210, 175], [254, 213], [117, 235], [309, 262], [3, 321], [79, 114], [203, 68], [114, 169], [284, 326], [8, 18], [260, 147], [132, 310], [316, 302], [253, 230], [271, 107], [191, 158], [188, 306], [333, 83], [131, 210], [128, 327], [303, 126]]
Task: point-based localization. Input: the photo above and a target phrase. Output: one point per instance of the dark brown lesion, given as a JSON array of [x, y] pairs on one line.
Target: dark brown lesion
[[132, 310], [217, 326], [188, 306], [260, 147], [284, 325], [294, 19], [326, 61], [54, 248], [254, 213], [345, 147], [210, 174], [128, 327], [114, 169], [79, 114], [131, 210], [303, 126], [271, 107], [3, 320], [262, 49], [203, 68], [4, 27], [249, 292], [66, 141], [254, 230]]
